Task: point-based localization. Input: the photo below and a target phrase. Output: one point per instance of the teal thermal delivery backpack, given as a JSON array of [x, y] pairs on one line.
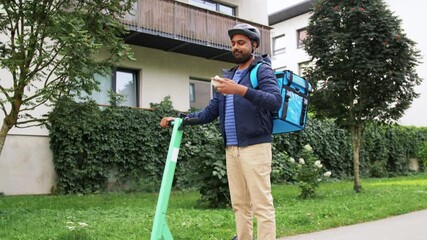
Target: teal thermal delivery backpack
[[295, 90]]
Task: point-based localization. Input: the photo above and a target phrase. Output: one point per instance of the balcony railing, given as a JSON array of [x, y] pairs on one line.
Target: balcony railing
[[177, 20]]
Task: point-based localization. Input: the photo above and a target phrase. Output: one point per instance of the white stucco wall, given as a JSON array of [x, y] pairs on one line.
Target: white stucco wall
[[251, 10], [163, 73], [292, 56], [26, 165]]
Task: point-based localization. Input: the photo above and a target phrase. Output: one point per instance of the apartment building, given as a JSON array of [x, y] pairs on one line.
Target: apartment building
[[289, 29], [178, 46]]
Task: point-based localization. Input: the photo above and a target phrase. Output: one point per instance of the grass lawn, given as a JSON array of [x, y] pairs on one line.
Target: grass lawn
[[130, 216]]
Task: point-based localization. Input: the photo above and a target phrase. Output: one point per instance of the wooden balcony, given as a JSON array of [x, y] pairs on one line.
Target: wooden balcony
[[182, 28]]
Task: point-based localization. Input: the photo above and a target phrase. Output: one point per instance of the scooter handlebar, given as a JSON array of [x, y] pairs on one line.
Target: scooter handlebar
[[185, 121], [190, 121]]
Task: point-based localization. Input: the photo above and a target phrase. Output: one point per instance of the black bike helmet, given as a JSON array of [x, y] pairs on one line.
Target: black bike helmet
[[246, 29]]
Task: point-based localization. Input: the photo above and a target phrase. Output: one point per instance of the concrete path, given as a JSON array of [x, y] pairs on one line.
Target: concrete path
[[411, 226]]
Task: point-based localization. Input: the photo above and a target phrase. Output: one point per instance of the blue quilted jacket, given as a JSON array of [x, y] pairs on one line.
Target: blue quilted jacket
[[252, 111]]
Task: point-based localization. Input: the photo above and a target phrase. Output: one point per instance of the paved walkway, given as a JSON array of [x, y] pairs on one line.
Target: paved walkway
[[411, 226]]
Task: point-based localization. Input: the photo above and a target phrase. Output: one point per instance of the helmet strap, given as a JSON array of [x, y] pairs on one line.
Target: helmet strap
[[252, 45]]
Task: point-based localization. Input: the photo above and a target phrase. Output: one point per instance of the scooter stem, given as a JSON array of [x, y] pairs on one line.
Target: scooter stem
[[161, 230]]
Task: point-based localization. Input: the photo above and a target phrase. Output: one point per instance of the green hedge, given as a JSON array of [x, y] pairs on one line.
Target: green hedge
[[385, 152], [93, 146]]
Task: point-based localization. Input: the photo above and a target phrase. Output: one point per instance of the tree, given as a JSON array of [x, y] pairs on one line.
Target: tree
[[364, 66], [50, 49]]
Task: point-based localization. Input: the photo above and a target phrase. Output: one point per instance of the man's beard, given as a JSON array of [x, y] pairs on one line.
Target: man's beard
[[242, 58]]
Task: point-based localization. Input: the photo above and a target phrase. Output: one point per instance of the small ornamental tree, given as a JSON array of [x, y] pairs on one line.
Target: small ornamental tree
[[364, 66], [47, 50]]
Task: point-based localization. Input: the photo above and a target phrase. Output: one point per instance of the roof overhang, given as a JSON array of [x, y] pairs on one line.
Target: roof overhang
[[290, 12]]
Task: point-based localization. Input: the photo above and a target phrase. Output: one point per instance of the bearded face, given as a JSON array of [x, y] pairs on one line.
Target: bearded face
[[242, 48]]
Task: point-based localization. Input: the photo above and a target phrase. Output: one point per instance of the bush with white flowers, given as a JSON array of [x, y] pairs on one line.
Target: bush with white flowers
[[309, 172]]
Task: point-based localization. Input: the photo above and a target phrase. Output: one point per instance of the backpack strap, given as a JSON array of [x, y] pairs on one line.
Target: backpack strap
[[253, 75], [304, 106], [304, 109], [290, 76]]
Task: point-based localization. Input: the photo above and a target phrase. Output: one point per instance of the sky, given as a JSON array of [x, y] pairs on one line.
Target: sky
[[413, 15]]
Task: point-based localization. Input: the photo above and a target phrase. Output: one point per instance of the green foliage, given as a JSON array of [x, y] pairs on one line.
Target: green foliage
[[91, 145], [123, 149], [364, 62], [73, 145], [53, 48], [423, 155], [364, 67], [378, 169], [387, 149], [377, 148], [115, 99], [397, 159], [309, 172], [282, 170], [119, 216], [211, 170], [330, 143], [127, 148]]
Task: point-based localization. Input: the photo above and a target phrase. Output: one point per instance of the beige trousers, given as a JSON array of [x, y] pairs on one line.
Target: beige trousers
[[248, 171]]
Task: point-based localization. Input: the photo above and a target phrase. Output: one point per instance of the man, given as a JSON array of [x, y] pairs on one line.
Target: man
[[246, 125]]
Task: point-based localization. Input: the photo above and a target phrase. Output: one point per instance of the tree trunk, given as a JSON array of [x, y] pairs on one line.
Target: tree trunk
[[356, 141], [8, 123], [3, 133]]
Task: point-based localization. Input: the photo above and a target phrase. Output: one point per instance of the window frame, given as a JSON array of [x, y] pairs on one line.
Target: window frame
[[300, 43], [281, 68], [218, 5], [135, 74], [277, 51], [302, 67], [193, 81], [192, 89]]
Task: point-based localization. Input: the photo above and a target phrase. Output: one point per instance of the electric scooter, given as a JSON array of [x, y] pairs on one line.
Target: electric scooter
[[161, 230]]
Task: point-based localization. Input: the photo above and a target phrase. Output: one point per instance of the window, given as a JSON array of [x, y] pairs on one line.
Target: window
[[301, 35], [125, 84], [279, 45], [214, 6], [192, 92], [201, 93], [122, 81], [302, 67], [282, 68], [226, 9], [105, 83]]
